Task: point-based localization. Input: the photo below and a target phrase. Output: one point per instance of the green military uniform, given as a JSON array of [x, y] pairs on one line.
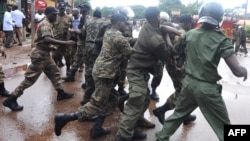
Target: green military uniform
[[200, 86], [41, 61], [149, 48], [103, 102], [61, 26], [92, 27]]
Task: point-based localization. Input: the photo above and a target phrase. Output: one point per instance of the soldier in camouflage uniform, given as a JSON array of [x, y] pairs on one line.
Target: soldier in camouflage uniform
[[41, 61], [92, 27], [80, 56], [176, 72], [61, 26], [103, 102]]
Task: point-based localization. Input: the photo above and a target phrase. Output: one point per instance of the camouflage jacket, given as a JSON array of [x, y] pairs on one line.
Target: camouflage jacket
[[45, 28], [61, 26], [115, 47], [92, 27]]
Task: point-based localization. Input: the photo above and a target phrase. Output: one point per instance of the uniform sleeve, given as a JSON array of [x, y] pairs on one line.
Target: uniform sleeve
[[124, 46], [180, 45], [46, 30], [226, 49]]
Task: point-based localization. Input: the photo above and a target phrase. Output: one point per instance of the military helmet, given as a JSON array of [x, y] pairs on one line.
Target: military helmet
[[211, 12], [164, 16], [126, 11]]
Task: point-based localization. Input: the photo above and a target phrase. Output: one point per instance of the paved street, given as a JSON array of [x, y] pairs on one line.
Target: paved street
[[36, 121]]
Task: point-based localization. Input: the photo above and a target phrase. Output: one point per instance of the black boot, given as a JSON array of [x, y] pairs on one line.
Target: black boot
[[160, 112], [59, 61], [61, 94], [120, 138], [138, 135], [62, 119], [121, 91], [154, 95], [11, 103], [189, 119], [3, 91], [97, 130], [121, 102], [70, 77], [83, 86], [67, 69]]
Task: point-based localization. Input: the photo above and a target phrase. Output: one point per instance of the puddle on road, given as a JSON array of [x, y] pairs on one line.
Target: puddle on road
[[11, 71]]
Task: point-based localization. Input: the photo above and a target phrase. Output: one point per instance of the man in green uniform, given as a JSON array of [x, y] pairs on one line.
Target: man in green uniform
[[41, 61], [102, 103], [61, 25], [175, 69], [203, 47], [150, 47]]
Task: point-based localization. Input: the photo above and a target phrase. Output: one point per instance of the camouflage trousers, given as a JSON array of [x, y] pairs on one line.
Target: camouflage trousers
[[176, 76], [103, 101], [89, 64], [40, 62], [64, 51], [79, 57], [1, 74], [121, 76], [137, 102], [157, 74]]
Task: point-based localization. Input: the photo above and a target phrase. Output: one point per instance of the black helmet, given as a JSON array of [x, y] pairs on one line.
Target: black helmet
[[211, 12]]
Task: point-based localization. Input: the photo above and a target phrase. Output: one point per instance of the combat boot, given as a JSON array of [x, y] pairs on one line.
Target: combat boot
[[97, 130], [189, 119], [138, 135], [154, 95], [144, 123], [70, 77], [61, 94], [121, 91], [62, 119], [121, 102], [160, 112], [119, 138], [11, 102], [3, 91]]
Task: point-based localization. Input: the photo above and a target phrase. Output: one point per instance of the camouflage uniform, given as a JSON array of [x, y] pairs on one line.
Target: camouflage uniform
[[61, 26], [1, 75], [41, 61], [103, 102], [149, 48], [92, 27]]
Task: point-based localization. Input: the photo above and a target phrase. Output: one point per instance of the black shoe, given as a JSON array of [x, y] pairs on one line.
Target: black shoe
[[122, 92], [189, 119], [119, 138], [121, 102], [139, 135], [62, 119], [83, 86], [64, 95], [5, 93], [154, 96], [95, 133], [60, 64], [144, 123], [159, 114], [11, 103]]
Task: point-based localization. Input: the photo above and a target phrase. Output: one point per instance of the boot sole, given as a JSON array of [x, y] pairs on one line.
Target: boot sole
[[66, 97]]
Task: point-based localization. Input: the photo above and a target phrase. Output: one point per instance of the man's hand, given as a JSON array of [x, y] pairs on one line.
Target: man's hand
[[70, 43]]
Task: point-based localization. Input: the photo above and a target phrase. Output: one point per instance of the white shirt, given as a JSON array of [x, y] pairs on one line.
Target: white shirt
[[39, 17], [18, 17], [8, 22]]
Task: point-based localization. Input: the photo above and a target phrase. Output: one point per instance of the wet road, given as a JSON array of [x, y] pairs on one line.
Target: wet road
[[36, 121]]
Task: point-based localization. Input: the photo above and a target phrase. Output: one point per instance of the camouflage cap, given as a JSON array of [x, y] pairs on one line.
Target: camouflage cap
[[84, 6], [50, 10]]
